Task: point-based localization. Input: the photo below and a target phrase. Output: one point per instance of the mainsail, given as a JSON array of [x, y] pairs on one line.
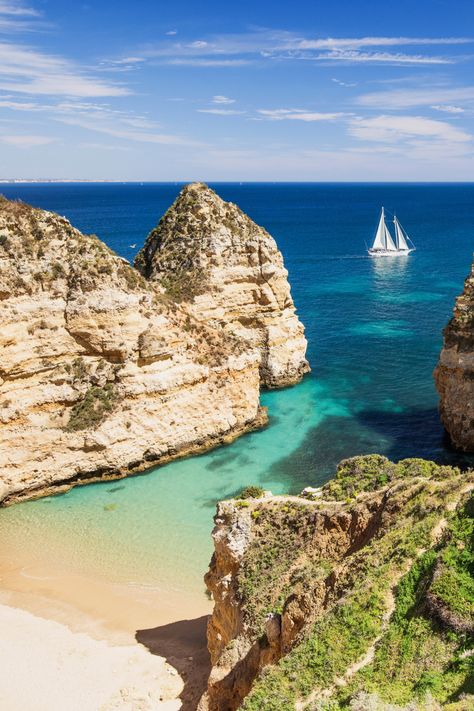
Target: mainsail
[[400, 236], [383, 238]]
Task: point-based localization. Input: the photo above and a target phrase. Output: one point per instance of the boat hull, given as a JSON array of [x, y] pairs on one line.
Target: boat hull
[[389, 253]]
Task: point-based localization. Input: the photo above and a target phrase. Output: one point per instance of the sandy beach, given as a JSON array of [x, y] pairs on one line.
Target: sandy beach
[[74, 643]]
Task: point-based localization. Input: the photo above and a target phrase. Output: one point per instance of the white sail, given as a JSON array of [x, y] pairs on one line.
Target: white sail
[[383, 238], [379, 241], [390, 245], [401, 241]]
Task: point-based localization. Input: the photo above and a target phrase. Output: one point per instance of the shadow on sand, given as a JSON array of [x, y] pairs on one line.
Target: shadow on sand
[[183, 644]]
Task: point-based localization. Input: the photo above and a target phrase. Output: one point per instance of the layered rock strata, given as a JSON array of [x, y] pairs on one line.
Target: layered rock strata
[[101, 373], [454, 375], [209, 254], [358, 597]]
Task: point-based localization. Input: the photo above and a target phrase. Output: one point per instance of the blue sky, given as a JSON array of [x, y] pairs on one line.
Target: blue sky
[[153, 90]]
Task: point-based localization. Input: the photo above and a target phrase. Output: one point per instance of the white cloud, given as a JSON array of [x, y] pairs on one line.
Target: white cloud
[[270, 45], [171, 33], [351, 56], [392, 129], [28, 71], [16, 8], [344, 83], [20, 141], [219, 99], [408, 98], [298, 115], [335, 43], [208, 62], [447, 108], [220, 112]]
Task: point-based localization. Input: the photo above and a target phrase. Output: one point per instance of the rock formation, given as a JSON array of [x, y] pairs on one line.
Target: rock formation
[[101, 373], [208, 253], [454, 375], [360, 596]]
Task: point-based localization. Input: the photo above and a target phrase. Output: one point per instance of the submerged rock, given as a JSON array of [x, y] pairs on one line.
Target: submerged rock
[[209, 254], [367, 590], [454, 375]]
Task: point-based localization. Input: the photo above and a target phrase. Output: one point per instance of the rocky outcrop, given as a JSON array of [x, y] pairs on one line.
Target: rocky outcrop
[[324, 598], [454, 375], [209, 254], [101, 373]]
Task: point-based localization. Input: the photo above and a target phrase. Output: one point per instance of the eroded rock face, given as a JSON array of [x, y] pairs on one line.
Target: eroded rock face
[[305, 589], [208, 253], [454, 375], [101, 374]]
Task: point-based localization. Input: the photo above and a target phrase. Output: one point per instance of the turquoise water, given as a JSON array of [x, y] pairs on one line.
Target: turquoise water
[[374, 331]]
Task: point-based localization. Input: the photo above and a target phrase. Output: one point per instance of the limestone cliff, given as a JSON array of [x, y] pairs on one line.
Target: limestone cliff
[[101, 373], [454, 375], [208, 253], [356, 596]]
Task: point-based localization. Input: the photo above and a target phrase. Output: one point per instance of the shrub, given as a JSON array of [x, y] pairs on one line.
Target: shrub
[[92, 409], [251, 492]]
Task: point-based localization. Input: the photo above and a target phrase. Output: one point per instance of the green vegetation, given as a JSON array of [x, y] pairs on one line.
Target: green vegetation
[[373, 471], [92, 409], [251, 492], [423, 651]]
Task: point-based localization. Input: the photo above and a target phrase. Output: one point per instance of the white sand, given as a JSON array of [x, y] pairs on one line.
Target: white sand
[[44, 666]]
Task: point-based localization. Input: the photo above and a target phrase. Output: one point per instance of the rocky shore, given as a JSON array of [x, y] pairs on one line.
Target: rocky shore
[[106, 372], [454, 375]]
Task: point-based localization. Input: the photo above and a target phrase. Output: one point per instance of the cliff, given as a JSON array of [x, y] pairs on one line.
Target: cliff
[[359, 595], [454, 375], [101, 373], [209, 254]]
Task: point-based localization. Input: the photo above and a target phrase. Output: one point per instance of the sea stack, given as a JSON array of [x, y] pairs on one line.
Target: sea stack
[[101, 374], [454, 375], [208, 254]]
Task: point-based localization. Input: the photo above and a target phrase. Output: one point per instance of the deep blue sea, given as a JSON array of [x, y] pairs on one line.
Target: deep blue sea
[[374, 329]]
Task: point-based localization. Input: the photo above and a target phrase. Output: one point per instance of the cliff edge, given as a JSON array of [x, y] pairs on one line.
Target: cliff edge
[[454, 375], [209, 254], [358, 595]]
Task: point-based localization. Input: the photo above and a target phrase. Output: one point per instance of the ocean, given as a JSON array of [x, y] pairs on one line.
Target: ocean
[[374, 329]]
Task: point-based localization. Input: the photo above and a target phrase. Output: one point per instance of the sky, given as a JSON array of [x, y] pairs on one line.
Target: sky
[[340, 90]]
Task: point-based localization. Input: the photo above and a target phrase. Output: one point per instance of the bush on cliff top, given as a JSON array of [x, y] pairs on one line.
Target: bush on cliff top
[[373, 471], [251, 492]]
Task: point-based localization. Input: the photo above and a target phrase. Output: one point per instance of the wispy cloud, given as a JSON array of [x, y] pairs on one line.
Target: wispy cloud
[[272, 45], [29, 71], [336, 43], [21, 141], [393, 129], [409, 98], [219, 99], [448, 109], [220, 112], [18, 17], [196, 62], [344, 83], [101, 118], [298, 115], [17, 9]]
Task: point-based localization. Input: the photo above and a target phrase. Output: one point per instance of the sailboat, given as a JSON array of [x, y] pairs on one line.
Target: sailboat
[[384, 245]]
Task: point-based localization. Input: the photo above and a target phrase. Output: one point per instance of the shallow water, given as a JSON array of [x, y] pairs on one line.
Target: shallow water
[[374, 331]]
